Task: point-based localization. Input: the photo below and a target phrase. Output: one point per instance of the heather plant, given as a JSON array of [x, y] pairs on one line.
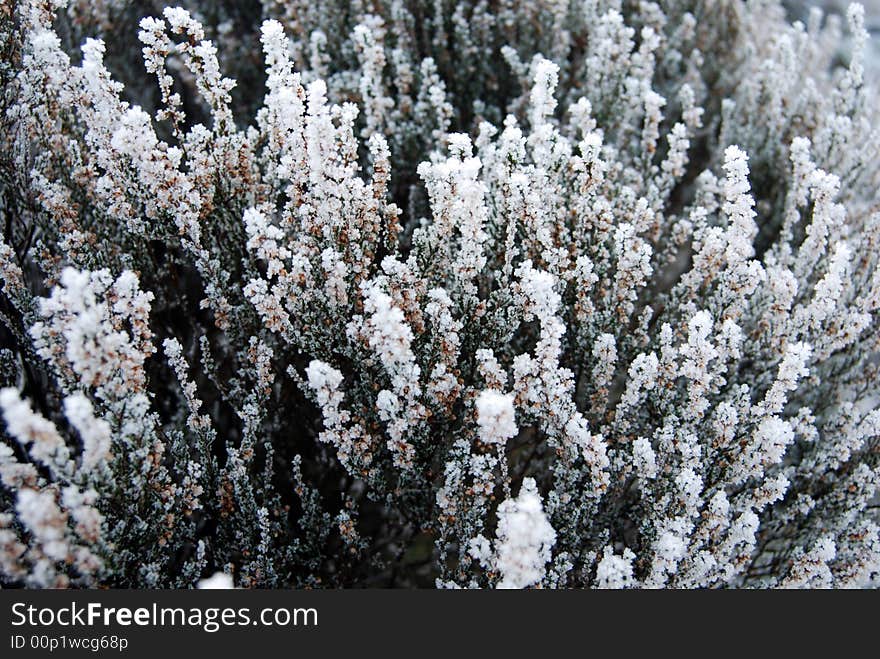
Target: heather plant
[[564, 293]]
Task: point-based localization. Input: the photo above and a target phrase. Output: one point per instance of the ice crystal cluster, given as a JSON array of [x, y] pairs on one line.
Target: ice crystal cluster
[[551, 293]]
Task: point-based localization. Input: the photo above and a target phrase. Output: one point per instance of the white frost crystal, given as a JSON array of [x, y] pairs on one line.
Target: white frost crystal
[[217, 581], [495, 417], [524, 539]]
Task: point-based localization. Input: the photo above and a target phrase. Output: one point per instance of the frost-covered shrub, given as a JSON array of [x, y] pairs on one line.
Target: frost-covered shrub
[[516, 294]]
